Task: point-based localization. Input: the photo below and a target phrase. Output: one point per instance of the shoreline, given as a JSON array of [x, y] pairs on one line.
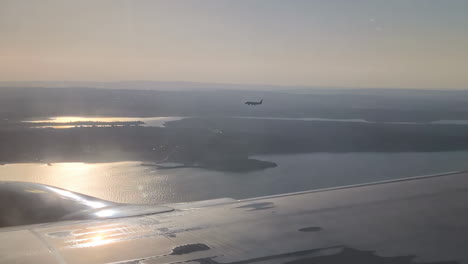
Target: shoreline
[[237, 165]]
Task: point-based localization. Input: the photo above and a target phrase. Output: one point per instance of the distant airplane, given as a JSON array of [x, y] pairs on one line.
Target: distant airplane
[[254, 103]]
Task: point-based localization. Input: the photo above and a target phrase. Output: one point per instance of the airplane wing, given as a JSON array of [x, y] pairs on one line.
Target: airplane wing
[[414, 220]]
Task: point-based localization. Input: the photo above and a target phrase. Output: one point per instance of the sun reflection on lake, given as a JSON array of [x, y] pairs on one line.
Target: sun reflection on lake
[[64, 121], [68, 119], [130, 182], [116, 181]]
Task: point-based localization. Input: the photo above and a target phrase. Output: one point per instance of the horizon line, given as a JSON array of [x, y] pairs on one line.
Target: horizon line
[[292, 86]]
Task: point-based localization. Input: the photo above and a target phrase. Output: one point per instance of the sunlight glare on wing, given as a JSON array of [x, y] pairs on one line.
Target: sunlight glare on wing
[[77, 198]]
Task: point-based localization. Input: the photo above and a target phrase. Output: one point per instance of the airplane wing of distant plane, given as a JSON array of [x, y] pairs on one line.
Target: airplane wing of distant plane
[[414, 220]]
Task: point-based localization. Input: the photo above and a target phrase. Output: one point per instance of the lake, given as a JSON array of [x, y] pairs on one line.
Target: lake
[[64, 120], [61, 122], [130, 182]]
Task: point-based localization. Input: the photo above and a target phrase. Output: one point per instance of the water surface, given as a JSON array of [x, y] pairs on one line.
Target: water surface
[[161, 121], [132, 183], [148, 121]]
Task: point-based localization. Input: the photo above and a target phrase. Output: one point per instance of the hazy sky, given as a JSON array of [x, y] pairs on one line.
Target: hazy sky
[[357, 43]]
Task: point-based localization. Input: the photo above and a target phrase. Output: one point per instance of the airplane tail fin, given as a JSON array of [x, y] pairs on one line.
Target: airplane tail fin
[[261, 101]]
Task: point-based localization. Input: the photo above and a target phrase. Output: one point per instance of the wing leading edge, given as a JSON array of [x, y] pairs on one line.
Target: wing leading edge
[[417, 220]]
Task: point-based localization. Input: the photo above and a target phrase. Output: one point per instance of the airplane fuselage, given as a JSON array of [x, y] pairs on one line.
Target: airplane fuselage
[[254, 103]]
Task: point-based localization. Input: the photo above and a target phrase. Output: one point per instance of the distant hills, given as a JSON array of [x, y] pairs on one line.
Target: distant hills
[[151, 85], [200, 86]]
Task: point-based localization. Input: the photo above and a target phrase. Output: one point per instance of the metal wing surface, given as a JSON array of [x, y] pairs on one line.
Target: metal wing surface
[[415, 220]]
